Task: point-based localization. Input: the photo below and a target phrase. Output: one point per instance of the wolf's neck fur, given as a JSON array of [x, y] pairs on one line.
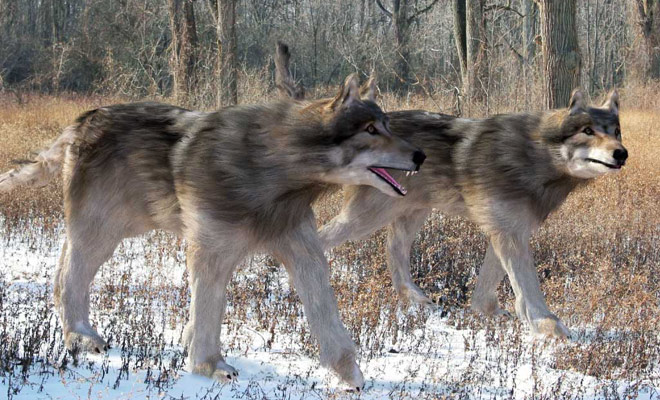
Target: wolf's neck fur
[[550, 184], [514, 158], [247, 166]]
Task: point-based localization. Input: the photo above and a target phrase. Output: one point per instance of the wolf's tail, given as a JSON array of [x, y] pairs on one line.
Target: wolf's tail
[[44, 168], [283, 79]]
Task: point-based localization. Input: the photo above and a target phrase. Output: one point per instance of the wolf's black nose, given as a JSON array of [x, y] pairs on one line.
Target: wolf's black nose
[[620, 155], [419, 157]]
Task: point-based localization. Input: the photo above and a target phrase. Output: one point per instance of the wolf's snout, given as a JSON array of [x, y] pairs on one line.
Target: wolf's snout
[[620, 155], [418, 158]]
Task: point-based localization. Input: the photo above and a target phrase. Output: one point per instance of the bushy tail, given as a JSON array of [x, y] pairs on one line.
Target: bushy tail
[[44, 168], [283, 79]]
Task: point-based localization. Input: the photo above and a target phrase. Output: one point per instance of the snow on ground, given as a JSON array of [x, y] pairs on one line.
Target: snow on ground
[[429, 362]]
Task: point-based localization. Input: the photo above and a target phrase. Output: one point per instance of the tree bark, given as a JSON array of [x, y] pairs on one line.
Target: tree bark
[[224, 13], [530, 26], [470, 38], [561, 55], [646, 24], [402, 35], [529, 30], [402, 15], [183, 49]]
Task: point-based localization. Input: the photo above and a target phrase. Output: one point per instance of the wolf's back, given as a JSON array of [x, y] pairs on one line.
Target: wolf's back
[[139, 127]]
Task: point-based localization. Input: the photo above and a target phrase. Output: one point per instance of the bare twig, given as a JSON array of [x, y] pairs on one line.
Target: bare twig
[[503, 7], [385, 10]]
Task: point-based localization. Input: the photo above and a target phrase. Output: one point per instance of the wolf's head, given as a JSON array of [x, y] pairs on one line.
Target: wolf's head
[[358, 143], [589, 138]]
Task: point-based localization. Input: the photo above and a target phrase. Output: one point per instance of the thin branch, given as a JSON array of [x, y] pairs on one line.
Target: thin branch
[[213, 8], [507, 7], [425, 9], [388, 13], [515, 52]]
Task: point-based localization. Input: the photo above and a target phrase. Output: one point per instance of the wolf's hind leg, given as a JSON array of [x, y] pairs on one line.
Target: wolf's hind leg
[[516, 258], [210, 272], [484, 298], [302, 255], [365, 210], [82, 257], [400, 237], [57, 290]]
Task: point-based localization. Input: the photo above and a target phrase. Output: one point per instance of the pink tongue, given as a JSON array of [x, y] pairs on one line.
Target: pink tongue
[[386, 175]]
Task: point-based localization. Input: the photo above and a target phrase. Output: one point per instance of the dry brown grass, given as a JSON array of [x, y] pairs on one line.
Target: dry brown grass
[[598, 258]]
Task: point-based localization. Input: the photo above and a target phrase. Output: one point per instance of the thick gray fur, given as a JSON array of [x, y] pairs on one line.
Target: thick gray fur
[[232, 182]]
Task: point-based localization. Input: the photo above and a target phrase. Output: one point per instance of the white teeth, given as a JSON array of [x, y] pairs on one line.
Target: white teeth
[[407, 173]]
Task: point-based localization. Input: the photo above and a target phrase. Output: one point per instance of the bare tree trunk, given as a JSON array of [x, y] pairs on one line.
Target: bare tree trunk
[[646, 25], [470, 36], [46, 22], [224, 13], [561, 55], [402, 16], [476, 49], [529, 30], [183, 49], [530, 26], [402, 35], [458, 8]]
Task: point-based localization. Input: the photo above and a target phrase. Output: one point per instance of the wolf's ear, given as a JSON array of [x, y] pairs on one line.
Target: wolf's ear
[[576, 104], [349, 93], [368, 91], [612, 102]]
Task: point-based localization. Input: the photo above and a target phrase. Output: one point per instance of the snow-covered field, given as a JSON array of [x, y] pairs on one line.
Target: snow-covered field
[[139, 303]]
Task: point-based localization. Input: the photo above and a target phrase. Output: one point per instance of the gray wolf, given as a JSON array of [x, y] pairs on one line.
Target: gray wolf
[[506, 173], [232, 182]]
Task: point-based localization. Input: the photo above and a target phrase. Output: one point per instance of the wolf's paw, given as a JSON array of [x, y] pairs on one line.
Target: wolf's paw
[[412, 293], [351, 374], [551, 327], [88, 340], [220, 371], [340, 357]]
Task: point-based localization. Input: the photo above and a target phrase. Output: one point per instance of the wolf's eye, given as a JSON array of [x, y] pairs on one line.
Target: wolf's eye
[[617, 133], [372, 129], [588, 131]]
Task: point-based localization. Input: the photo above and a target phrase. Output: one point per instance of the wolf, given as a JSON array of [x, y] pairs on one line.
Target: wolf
[[506, 173], [232, 182]]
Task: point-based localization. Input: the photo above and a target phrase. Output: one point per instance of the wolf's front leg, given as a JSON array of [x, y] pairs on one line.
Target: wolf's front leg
[[302, 255], [516, 257], [365, 211], [400, 237], [210, 272]]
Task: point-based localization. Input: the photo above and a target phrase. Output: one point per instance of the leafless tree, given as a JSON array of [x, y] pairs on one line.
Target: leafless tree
[[470, 37], [224, 16], [561, 55], [183, 49], [402, 14], [646, 23], [495, 53]]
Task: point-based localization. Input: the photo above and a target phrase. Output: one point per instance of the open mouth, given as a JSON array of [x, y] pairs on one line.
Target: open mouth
[[612, 166], [384, 175]]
